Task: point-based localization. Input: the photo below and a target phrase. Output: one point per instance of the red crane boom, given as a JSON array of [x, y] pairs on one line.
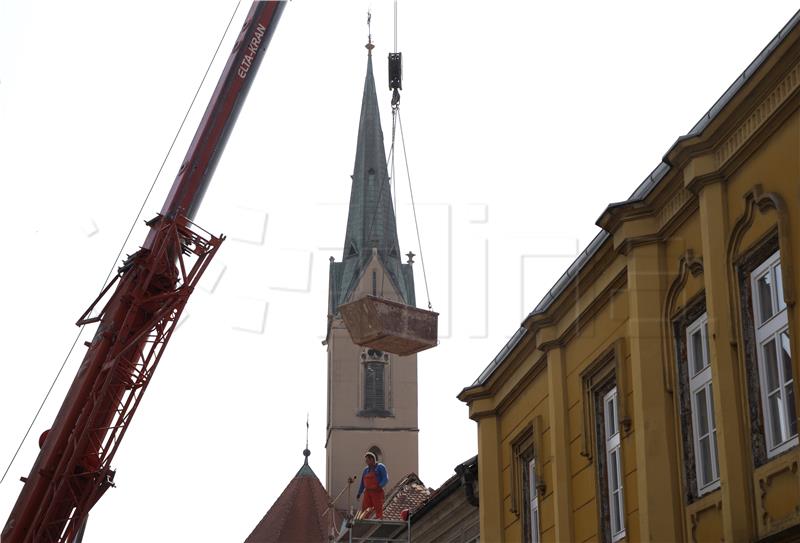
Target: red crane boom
[[144, 302]]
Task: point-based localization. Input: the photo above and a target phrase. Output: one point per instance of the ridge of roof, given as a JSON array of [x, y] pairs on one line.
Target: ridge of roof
[[640, 193]]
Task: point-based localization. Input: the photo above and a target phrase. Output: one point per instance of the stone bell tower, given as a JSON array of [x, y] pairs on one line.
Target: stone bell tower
[[372, 395]]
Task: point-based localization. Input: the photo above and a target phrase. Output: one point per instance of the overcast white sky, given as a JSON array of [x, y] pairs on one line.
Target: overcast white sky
[[522, 121]]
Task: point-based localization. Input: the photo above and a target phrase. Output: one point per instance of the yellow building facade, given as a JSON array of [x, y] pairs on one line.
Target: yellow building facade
[[650, 396]]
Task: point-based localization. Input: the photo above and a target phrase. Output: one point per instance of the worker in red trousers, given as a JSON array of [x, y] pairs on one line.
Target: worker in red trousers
[[373, 479]]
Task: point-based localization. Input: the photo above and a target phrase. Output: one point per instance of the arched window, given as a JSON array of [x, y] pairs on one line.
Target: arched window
[[374, 389], [375, 378]]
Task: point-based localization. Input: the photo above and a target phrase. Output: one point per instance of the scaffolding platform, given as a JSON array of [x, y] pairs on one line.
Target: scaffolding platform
[[373, 530], [390, 326]]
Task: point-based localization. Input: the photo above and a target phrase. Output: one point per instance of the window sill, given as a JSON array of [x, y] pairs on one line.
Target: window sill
[[782, 448], [375, 413], [708, 489]]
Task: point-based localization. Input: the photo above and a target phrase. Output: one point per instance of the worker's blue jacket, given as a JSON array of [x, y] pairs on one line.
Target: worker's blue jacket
[[380, 472]]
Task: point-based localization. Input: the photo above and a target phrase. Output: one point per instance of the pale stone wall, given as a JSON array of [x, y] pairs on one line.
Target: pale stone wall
[[350, 434]]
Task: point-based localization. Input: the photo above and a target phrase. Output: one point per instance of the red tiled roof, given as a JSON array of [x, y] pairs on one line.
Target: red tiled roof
[[299, 515], [410, 493]]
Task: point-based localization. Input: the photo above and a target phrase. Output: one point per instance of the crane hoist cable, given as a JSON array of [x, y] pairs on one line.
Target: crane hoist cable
[[397, 120], [127, 238], [414, 208], [395, 84]]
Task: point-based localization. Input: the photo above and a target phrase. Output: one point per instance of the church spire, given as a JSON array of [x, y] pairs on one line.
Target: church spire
[[371, 390], [371, 220]]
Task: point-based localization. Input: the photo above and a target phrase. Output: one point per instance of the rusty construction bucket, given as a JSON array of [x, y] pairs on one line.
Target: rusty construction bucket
[[390, 326]]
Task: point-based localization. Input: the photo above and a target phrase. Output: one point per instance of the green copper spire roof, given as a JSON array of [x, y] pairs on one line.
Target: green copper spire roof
[[370, 221], [305, 470]]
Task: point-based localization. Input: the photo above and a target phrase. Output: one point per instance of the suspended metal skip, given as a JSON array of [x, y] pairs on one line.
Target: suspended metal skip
[[390, 326]]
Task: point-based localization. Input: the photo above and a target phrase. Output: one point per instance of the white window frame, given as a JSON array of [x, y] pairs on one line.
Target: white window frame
[[699, 371], [768, 330], [533, 501], [616, 498]]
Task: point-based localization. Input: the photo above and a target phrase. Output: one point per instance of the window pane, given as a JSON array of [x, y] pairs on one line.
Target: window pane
[[614, 465], [790, 410], [532, 478], [617, 498], [779, 288], [533, 500], [711, 406], [775, 418], [615, 513], [702, 412], [697, 351], [708, 350], [716, 452], [705, 460], [764, 287], [714, 474], [786, 356], [771, 365], [611, 416]]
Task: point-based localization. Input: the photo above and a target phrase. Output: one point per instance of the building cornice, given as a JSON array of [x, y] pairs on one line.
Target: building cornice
[[714, 149], [565, 302], [750, 110], [505, 382], [754, 107], [374, 429], [550, 338]]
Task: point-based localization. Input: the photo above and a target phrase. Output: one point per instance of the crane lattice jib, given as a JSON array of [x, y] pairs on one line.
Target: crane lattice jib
[[143, 304]]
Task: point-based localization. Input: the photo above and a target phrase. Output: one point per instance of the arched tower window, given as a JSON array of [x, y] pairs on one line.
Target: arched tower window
[[374, 393], [375, 365]]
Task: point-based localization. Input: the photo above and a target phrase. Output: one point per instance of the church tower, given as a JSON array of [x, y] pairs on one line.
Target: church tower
[[372, 395]]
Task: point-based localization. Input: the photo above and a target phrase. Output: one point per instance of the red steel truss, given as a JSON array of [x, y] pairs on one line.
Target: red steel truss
[[153, 289], [144, 303]]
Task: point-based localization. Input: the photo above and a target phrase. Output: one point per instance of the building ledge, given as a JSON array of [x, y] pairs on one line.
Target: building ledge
[[375, 413]]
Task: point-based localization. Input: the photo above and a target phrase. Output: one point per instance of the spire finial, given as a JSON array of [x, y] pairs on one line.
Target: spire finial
[[306, 452], [369, 45]]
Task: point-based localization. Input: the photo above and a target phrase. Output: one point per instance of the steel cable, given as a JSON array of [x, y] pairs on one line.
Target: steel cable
[[414, 208]]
